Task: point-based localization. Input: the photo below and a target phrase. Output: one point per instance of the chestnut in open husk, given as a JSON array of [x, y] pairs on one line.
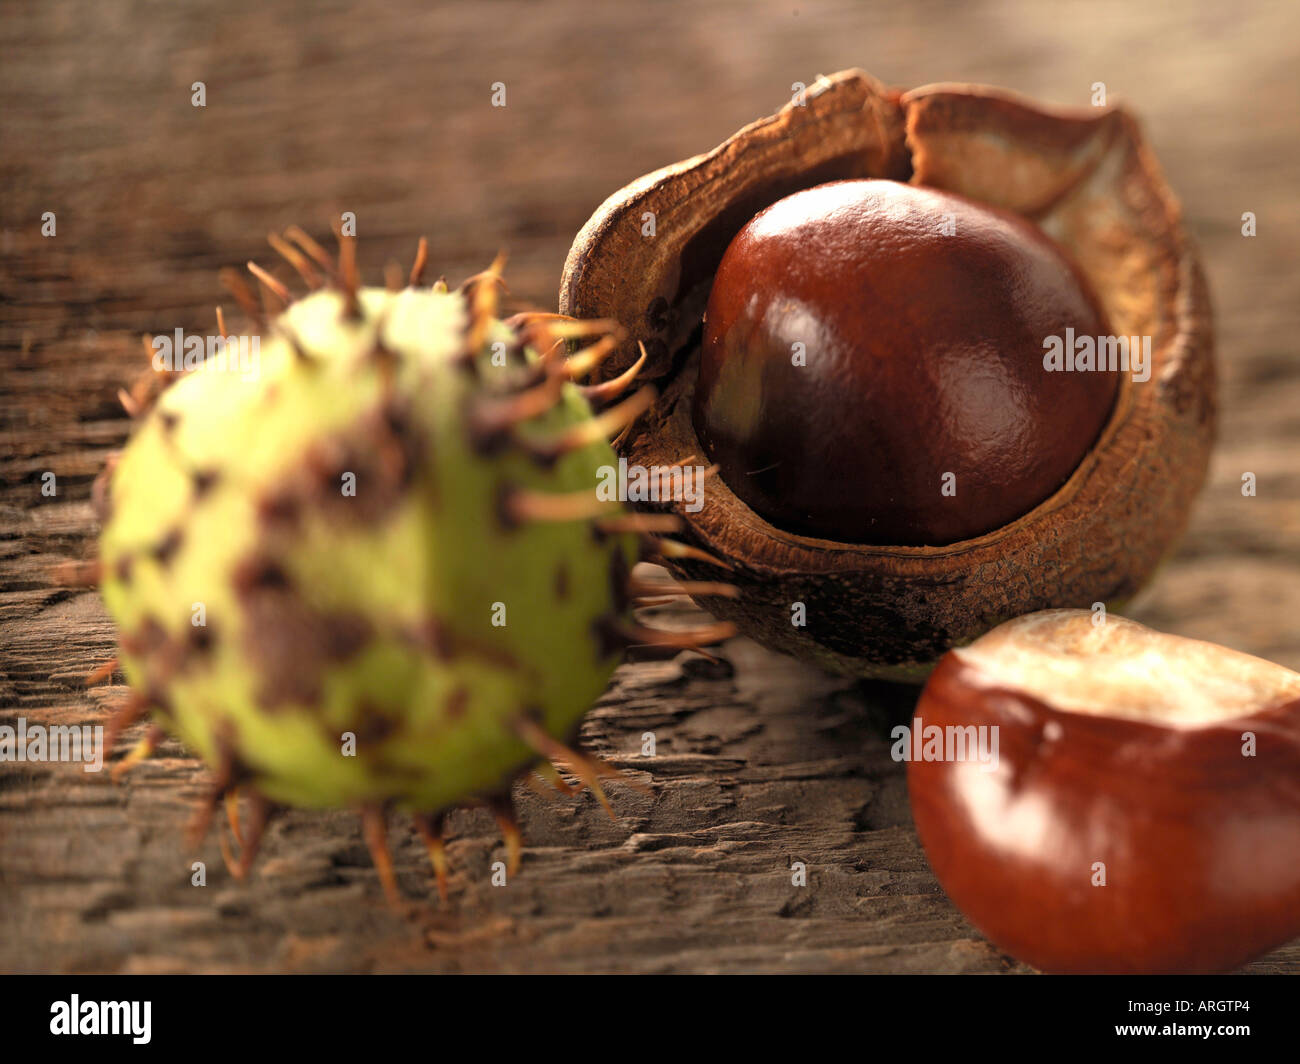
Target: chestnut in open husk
[[922, 474], [905, 394], [1142, 811]]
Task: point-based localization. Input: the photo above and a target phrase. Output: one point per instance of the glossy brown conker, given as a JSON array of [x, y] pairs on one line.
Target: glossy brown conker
[[872, 367], [1142, 811], [1088, 179]]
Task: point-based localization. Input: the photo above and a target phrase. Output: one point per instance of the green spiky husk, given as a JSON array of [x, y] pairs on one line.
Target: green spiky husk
[[371, 614]]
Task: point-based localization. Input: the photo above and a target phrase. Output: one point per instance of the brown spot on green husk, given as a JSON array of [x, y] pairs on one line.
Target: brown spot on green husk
[[385, 453], [204, 481], [167, 547], [289, 642], [259, 573], [201, 638], [280, 510], [457, 703], [434, 637], [374, 724]]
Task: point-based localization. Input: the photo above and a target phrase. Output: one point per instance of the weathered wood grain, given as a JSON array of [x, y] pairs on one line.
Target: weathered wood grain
[[384, 110]]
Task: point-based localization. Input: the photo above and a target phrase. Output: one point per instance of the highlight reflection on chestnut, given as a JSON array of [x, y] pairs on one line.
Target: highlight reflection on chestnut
[[1144, 812]]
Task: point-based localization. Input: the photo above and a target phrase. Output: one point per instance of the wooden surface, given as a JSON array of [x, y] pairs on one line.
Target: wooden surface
[[314, 109]]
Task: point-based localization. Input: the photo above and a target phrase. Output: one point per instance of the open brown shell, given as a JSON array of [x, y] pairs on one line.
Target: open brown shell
[[1089, 181]]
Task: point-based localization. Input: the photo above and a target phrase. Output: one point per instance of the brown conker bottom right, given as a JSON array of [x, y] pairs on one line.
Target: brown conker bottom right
[[1148, 822]]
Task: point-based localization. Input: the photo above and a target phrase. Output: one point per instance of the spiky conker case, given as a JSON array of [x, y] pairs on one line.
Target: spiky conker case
[[370, 568]]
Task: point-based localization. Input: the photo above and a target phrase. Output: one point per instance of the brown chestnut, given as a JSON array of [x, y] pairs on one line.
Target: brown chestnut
[[869, 344], [1141, 812], [818, 462]]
